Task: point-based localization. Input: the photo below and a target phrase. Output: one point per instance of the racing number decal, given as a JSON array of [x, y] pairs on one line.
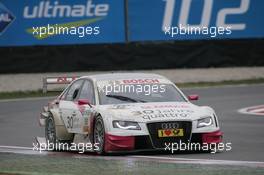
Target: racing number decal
[[70, 122], [73, 122]]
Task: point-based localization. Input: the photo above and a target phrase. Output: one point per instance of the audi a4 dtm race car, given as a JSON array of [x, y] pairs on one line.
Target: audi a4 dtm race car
[[127, 112]]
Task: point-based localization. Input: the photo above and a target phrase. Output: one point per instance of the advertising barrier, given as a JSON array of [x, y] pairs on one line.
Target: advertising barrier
[[195, 19], [58, 22]]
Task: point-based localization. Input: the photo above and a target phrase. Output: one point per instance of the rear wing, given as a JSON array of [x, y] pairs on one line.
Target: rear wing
[[57, 81]]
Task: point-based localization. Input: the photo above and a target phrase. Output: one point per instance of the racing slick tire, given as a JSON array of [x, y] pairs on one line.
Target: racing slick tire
[[50, 132], [99, 135]]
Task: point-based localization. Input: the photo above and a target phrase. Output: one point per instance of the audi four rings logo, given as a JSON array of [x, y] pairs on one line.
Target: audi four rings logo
[[170, 125]]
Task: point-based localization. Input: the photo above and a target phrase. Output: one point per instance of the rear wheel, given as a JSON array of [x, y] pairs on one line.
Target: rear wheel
[[50, 132], [99, 135]]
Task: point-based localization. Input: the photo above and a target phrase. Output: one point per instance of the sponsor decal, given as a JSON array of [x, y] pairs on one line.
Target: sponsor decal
[[163, 113], [164, 106], [118, 106], [195, 19], [170, 133], [207, 13], [89, 13], [133, 82], [6, 18], [47, 9], [60, 22], [141, 81]]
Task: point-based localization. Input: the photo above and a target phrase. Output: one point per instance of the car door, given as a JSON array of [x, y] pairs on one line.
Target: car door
[[68, 107], [86, 99]]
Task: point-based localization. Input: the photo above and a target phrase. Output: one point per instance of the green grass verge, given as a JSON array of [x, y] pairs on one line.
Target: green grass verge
[[27, 94], [94, 165]]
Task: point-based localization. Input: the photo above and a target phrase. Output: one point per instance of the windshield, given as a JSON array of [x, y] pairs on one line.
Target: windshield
[[139, 93]]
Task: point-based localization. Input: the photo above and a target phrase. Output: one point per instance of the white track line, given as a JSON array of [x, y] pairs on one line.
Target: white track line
[[245, 110], [21, 150], [204, 161], [16, 147], [27, 99]]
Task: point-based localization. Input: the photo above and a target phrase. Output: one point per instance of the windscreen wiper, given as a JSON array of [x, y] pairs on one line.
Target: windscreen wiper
[[124, 98]]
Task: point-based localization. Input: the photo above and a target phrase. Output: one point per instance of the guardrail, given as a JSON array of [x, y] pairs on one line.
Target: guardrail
[[56, 81]]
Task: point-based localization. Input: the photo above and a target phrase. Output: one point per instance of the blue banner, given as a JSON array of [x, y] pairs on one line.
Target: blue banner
[[195, 19], [58, 22]]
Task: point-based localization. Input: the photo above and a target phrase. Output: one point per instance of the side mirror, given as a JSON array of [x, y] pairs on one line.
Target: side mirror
[[193, 97], [84, 102]]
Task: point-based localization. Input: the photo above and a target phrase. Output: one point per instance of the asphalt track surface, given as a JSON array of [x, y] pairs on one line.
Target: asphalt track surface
[[19, 122]]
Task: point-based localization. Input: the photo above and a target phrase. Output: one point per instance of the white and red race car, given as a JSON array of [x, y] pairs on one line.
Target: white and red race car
[[127, 112]]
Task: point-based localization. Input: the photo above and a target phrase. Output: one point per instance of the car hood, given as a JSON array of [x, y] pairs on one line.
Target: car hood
[[161, 111]]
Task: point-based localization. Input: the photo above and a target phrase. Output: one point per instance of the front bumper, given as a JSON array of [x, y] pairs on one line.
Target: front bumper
[[114, 143], [119, 143]]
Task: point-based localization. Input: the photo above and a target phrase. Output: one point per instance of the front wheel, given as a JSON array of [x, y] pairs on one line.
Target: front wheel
[[99, 135]]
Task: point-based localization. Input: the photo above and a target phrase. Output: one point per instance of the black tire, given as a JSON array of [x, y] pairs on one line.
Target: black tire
[[99, 135], [50, 132]]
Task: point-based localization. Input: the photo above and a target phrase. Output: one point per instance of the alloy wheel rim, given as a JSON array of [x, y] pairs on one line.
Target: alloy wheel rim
[[99, 134], [50, 131]]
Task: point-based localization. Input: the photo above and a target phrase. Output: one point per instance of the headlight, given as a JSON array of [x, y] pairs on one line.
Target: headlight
[[126, 125], [204, 122]]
